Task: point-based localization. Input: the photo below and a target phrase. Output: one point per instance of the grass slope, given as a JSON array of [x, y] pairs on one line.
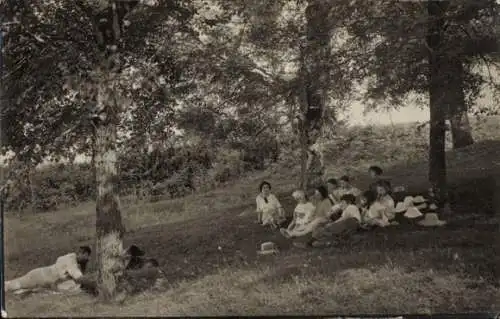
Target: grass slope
[[207, 245]]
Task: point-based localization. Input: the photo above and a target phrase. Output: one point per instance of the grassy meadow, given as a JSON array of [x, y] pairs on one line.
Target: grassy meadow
[[207, 245]]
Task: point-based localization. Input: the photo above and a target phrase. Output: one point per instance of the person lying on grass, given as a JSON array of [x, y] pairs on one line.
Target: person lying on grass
[[324, 234], [149, 276], [372, 212], [347, 188], [66, 269], [302, 215], [269, 209]]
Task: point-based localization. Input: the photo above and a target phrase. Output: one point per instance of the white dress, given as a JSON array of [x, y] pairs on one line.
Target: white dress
[[272, 211], [304, 214]]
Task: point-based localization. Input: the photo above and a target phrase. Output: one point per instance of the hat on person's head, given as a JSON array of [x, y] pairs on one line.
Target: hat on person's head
[[412, 212], [433, 207], [400, 207], [431, 219], [268, 248]]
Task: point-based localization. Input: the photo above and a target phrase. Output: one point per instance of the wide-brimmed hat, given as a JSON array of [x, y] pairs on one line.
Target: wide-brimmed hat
[[268, 248], [412, 212], [400, 208], [419, 200], [408, 201], [431, 219], [433, 206], [421, 206]]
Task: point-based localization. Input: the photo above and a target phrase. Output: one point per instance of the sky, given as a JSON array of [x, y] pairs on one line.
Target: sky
[[406, 115]]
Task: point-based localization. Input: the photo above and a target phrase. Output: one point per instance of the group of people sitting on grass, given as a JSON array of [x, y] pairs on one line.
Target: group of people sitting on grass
[[69, 274], [339, 208]]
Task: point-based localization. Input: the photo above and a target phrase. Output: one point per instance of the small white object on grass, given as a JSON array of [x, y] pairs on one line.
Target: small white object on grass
[[268, 248]]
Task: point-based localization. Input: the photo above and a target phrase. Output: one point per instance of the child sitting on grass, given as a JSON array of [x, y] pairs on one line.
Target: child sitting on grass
[[302, 215], [372, 212], [384, 199], [348, 222]]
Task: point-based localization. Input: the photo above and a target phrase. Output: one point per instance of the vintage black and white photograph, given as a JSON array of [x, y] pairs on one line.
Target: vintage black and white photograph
[[249, 157]]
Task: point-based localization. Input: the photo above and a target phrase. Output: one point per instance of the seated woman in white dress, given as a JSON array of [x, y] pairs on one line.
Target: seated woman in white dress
[[269, 209], [321, 216], [372, 212], [385, 200], [302, 215]]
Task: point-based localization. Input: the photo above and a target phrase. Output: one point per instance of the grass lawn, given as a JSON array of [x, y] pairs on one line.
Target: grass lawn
[[206, 244]]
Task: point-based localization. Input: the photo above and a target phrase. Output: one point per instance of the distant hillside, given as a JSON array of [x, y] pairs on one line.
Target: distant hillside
[[352, 148]]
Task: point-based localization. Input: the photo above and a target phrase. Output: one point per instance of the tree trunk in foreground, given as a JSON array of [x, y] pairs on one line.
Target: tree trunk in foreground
[[315, 75], [461, 130], [437, 90], [108, 28], [109, 227]]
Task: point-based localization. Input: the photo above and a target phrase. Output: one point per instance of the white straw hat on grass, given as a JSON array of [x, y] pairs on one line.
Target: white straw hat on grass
[[419, 200], [268, 248], [431, 219], [400, 208], [408, 201], [412, 212]]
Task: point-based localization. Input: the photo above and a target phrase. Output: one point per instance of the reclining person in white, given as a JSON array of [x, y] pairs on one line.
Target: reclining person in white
[[64, 273]]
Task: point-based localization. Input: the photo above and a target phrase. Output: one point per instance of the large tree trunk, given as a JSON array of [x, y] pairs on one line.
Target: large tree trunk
[[109, 227], [315, 77], [437, 90], [108, 27], [461, 131]]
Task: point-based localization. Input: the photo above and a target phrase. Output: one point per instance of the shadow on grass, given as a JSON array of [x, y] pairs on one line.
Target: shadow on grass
[[193, 249]]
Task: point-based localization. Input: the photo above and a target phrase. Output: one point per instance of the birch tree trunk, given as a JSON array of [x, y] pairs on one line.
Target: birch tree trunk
[[109, 226], [315, 79], [108, 30]]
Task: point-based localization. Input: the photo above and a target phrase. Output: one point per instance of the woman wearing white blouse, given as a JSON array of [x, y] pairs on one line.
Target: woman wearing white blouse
[[385, 200], [269, 209], [302, 216]]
